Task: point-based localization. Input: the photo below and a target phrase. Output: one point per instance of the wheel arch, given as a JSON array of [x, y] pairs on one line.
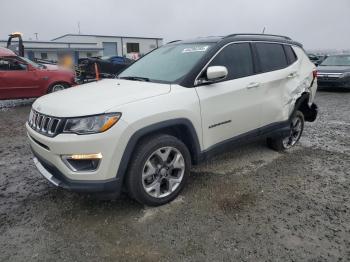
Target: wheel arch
[[302, 104], [181, 128], [55, 83]]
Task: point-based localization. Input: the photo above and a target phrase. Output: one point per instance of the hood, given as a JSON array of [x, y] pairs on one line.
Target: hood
[[97, 97], [52, 67], [56, 68], [333, 69]]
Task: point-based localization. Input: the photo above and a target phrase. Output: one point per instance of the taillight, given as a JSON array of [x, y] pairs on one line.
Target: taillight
[[314, 74]]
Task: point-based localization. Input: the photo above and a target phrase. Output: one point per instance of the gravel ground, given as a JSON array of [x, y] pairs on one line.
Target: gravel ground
[[250, 204]]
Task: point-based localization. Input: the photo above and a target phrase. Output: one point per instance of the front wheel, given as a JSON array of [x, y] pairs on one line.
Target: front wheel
[[296, 130], [57, 87], [158, 171]]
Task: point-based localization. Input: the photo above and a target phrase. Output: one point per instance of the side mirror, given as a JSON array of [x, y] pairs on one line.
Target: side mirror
[[216, 73]]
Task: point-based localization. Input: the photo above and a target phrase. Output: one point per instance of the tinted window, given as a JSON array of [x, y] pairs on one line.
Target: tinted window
[[238, 60], [291, 56], [11, 64], [271, 56]]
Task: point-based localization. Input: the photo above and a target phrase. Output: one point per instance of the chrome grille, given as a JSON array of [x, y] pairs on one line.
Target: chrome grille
[[46, 125]]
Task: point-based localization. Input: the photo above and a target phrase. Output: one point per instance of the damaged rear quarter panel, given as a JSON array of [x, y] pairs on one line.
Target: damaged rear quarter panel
[[279, 92], [300, 84]]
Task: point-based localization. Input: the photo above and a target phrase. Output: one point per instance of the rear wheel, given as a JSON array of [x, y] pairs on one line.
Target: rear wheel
[[159, 170], [296, 130], [58, 87]]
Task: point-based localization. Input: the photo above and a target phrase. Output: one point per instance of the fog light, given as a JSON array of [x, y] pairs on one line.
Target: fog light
[[85, 156], [82, 162]]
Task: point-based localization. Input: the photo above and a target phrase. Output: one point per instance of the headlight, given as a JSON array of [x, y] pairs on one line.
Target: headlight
[[91, 124]]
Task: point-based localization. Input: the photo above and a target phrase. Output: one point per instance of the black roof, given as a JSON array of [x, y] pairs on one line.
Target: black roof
[[118, 36], [241, 37], [207, 39]]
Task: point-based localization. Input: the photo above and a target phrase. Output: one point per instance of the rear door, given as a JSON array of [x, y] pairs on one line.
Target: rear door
[[277, 80], [231, 107], [16, 81]]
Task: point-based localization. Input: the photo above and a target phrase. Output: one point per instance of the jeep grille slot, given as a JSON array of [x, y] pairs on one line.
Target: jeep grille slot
[[46, 125]]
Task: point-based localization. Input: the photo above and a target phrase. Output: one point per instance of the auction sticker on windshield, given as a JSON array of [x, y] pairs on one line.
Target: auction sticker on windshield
[[195, 49]]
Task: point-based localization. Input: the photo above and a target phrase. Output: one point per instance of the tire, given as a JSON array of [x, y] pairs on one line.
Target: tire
[[57, 87], [158, 170], [285, 143]]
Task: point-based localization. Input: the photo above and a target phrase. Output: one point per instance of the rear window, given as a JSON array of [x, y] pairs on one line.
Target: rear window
[[291, 56], [271, 56]]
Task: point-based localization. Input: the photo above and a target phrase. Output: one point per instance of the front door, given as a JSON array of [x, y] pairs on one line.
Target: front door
[[231, 107], [16, 81]]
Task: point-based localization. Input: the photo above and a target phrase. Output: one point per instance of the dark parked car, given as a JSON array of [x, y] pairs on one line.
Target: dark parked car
[[314, 58], [317, 59], [108, 67], [334, 72]]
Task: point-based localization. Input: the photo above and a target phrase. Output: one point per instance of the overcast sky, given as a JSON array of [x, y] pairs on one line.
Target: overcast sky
[[323, 24]]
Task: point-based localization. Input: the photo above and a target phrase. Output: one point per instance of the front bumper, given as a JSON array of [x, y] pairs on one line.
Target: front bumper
[[324, 82], [49, 152], [52, 174]]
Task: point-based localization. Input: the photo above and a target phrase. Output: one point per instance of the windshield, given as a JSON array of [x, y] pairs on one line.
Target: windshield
[[168, 63], [31, 62], [343, 60]]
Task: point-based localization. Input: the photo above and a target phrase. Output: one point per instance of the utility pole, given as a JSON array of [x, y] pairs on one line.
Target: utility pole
[[79, 27], [264, 30], [36, 36]]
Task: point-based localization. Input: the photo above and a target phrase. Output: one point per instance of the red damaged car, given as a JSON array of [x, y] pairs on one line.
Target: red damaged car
[[22, 78]]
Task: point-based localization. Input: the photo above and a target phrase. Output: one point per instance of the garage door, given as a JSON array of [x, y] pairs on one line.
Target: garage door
[[110, 49]]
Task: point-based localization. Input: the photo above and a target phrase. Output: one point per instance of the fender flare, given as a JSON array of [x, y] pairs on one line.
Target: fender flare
[[304, 96], [147, 130], [310, 113]]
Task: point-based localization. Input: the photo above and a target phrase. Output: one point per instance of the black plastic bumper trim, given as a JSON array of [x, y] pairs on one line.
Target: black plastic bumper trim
[[311, 114], [105, 186]]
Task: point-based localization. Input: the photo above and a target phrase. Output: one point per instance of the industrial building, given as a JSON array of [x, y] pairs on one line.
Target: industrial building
[[81, 46]]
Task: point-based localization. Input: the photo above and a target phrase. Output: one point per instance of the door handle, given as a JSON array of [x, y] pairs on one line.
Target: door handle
[[253, 85], [292, 75]]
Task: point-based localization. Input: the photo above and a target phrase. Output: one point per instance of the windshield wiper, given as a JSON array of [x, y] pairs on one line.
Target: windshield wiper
[[135, 78]]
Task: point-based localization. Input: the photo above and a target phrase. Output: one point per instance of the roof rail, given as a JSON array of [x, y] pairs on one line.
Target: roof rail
[[173, 41], [254, 34]]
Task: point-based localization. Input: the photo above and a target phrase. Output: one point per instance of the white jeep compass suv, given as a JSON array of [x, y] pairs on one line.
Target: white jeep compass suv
[[176, 106]]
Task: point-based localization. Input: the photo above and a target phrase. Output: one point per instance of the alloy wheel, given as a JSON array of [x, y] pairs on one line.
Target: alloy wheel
[[296, 129], [163, 172], [58, 87]]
